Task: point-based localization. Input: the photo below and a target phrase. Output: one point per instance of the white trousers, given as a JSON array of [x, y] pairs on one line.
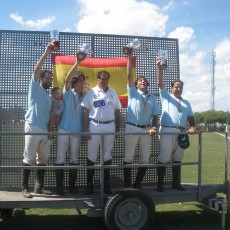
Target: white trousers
[[95, 141], [169, 147], [131, 142], [37, 147], [65, 141]]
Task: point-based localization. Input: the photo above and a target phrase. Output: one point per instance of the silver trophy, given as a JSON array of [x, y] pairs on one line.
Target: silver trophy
[[54, 36], [163, 55], [83, 51], [135, 44]]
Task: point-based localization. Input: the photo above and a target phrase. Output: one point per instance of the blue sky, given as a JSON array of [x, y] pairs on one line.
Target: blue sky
[[202, 26]]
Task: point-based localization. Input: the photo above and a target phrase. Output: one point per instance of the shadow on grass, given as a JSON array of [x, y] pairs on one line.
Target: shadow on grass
[[203, 218], [20, 221]]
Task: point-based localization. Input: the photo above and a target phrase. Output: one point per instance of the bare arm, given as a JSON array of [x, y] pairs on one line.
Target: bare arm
[[130, 80], [160, 79], [153, 130], [192, 125], [70, 75], [41, 61]]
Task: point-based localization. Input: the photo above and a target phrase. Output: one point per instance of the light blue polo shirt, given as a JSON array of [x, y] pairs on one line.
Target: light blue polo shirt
[[72, 115], [170, 115], [138, 113], [39, 105]]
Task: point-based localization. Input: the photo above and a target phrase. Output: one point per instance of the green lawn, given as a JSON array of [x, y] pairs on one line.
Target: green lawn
[[183, 216]]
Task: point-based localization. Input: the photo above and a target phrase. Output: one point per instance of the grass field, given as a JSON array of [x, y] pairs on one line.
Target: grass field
[[186, 216]]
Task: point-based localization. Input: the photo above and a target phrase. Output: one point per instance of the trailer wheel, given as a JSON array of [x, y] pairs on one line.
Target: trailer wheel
[[6, 213], [129, 209]]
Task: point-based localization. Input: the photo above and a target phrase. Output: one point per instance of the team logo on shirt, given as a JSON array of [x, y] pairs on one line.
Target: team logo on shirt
[[99, 103]]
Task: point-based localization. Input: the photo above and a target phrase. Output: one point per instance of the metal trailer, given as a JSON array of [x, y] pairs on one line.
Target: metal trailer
[[125, 208]]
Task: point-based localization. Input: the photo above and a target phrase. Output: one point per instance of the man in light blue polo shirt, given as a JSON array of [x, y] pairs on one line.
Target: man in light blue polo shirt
[[176, 113], [37, 147], [143, 111], [71, 123]]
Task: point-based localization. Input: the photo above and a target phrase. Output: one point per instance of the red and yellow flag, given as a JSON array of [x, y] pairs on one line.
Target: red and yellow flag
[[90, 67]]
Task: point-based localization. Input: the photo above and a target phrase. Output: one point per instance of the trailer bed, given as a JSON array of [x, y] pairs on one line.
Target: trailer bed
[[11, 199]]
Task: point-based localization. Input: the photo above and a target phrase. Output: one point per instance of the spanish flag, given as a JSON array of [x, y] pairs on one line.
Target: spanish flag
[[90, 67]]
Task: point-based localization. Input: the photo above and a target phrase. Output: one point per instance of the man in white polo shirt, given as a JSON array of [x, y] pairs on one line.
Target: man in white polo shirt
[[101, 115], [143, 110], [37, 147]]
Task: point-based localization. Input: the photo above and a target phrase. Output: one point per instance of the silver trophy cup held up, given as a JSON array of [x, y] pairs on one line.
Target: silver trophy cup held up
[[83, 51], [54, 36], [135, 44], [163, 55]]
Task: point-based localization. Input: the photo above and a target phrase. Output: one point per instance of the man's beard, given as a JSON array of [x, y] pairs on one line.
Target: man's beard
[[46, 85]]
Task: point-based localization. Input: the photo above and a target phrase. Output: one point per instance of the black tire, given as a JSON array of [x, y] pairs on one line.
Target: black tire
[[129, 209]]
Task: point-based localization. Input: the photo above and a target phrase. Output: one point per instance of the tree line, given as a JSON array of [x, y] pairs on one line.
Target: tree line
[[212, 120]]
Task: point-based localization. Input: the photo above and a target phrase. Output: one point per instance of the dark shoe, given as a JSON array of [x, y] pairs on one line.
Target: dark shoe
[[89, 189], [178, 187], [39, 190], [26, 193]]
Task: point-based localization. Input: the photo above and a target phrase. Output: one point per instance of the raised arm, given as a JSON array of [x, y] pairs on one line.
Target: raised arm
[[41, 61], [130, 80], [70, 74], [160, 79]]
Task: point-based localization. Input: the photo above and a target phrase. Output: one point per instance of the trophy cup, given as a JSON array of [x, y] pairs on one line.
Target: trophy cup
[[135, 44], [55, 44], [163, 54], [84, 50]]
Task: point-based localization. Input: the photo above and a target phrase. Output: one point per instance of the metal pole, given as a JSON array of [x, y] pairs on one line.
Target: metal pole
[[199, 165], [226, 155], [102, 169], [223, 211]]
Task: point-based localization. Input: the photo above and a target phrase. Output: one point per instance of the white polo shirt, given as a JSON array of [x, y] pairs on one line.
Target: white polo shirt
[[101, 104]]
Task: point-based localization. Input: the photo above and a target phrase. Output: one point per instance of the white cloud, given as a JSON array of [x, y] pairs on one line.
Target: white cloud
[[38, 24], [127, 17], [169, 6], [222, 50], [184, 35]]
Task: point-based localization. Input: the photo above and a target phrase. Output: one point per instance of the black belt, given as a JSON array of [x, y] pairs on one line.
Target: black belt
[[174, 127], [101, 122], [139, 126]]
